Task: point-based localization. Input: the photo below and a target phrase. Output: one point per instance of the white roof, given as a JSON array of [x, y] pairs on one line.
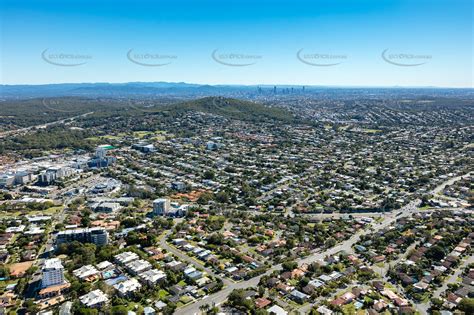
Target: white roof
[[128, 286], [85, 271], [53, 263], [277, 310], [138, 265], [15, 229], [103, 265], [160, 304], [189, 270], [126, 257], [325, 278], [324, 310], [152, 275], [93, 298], [316, 283]]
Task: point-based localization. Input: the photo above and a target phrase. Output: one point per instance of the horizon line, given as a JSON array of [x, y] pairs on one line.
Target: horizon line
[[249, 85]]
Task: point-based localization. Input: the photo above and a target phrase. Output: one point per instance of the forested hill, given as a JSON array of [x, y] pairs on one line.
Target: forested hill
[[234, 109]]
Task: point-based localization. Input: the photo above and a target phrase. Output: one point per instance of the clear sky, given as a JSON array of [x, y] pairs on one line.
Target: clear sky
[[314, 42]]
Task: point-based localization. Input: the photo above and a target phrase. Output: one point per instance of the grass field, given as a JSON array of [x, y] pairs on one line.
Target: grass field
[[16, 214]]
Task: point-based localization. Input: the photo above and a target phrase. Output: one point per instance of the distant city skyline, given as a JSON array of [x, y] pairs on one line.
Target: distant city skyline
[[300, 43]]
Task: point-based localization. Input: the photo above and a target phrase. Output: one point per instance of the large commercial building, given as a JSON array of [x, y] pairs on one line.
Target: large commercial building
[[97, 236], [52, 273], [144, 147], [7, 180], [100, 159], [163, 207], [23, 177], [15, 178], [106, 207], [53, 174]]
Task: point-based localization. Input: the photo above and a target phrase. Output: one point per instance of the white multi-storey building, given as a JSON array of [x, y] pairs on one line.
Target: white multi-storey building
[[161, 206], [53, 273]]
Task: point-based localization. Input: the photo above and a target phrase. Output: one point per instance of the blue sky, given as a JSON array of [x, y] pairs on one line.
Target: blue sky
[[340, 42]]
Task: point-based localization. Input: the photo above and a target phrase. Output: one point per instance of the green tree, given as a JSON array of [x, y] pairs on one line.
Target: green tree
[[330, 242], [467, 305], [31, 306], [222, 197], [4, 272], [208, 175], [119, 310], [289, 265], [87, 311]]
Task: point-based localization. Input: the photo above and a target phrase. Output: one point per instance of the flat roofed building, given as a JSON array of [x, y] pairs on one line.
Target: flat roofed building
[[97, 236], [106, 207], [161, 206], [144, 147], [52, 273], [7, 180]]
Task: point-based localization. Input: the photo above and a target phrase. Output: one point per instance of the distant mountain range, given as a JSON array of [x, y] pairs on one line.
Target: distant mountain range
[[182, 89], [102, 89]]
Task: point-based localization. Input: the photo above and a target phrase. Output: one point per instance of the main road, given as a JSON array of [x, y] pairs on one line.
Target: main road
[[390, 217], [219, 297], [16, 132]]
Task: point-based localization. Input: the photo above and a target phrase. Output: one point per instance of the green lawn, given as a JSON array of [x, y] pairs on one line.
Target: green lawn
[[185, 299], [390, 286], [349, 309], [137, 308], [101, 138], [158, 138], [6, 214], [49, 211], [142, 134], [293, 282], [163, 294], [371, 130]]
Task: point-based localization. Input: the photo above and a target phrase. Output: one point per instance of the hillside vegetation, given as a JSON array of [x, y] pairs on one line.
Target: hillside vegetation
[[233, 108]]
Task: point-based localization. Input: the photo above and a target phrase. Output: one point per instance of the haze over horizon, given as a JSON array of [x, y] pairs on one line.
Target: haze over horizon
[[314, 43], [266, 85]]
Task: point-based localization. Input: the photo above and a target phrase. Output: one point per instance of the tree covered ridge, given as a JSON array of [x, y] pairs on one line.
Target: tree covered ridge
[[234, 109]]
